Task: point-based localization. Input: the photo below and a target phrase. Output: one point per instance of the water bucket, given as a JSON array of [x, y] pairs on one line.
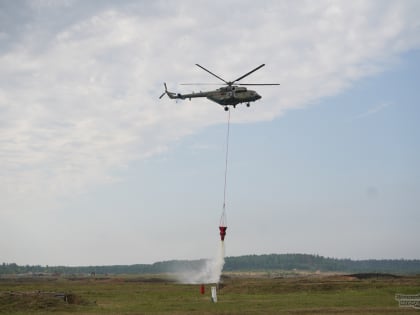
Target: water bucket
[[222, 232]]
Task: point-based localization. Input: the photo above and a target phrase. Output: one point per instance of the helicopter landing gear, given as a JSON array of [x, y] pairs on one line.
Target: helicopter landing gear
[[226, 108], [247, 104]]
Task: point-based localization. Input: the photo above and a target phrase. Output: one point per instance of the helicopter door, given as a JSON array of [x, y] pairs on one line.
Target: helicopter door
[[231, 93]]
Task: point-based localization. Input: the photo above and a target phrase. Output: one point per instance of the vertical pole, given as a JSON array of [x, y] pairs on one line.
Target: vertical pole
[[214, 294]]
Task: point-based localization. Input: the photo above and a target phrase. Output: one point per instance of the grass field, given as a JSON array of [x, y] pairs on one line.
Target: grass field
[[239, 294]]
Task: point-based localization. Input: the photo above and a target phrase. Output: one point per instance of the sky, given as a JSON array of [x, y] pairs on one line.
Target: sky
[[96, 170]]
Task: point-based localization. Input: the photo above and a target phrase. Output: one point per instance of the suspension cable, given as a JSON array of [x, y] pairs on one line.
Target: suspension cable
[[223, 218]]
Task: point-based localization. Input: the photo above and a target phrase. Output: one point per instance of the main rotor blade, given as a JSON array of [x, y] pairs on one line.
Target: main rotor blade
[[258, 84], [201, 84], [211, 73], [245, 75]]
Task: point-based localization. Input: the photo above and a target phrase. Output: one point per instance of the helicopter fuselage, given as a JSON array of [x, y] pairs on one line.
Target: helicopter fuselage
[[229, 95]]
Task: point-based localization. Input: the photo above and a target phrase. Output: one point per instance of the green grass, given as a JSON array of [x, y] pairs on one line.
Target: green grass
[[239, 295]]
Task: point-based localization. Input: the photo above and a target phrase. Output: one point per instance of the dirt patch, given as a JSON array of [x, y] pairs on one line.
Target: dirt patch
[[374, 276], [149, 280], [38, 301]]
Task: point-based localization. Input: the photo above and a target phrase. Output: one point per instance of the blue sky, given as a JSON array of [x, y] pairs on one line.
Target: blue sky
[[97, 170]]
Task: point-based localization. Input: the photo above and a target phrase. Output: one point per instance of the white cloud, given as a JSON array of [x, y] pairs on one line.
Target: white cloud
[[78, 96], [374, 110]]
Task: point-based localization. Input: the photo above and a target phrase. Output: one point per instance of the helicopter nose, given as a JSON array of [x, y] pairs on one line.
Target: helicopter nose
[[257, 96]]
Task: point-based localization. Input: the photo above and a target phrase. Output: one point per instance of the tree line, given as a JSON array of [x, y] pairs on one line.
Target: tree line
[[287, 262], [316, 262]]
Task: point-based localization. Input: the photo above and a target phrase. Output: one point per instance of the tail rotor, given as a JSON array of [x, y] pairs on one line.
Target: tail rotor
[[166, 91]]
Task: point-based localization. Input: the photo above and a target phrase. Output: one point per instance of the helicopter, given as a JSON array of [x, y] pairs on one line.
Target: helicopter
[[231, 94]]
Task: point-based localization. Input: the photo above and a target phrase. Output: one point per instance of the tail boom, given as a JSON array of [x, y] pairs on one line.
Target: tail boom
[[173, 95]]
